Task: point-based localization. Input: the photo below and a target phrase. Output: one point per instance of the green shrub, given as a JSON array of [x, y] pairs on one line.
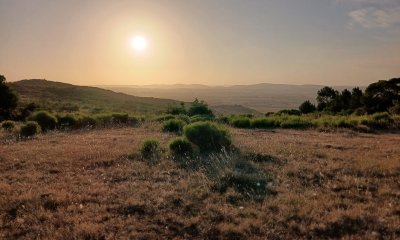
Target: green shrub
[[208, 136], [200, 108], [181, 147], [240, 122], [295, 123], [103, 120], [150, 150], [46, 120], [29, 129], [86, 122], [263, 123], [8, 125], [173, 125], [67, 121], [120, 118], [378, 121]]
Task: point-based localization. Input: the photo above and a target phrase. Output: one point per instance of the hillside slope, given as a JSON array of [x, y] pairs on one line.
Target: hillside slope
[[56, 95], [61, 96]]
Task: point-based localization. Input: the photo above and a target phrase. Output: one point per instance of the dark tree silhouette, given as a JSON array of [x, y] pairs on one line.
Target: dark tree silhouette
[[326, 98], [8, 99], [382, 95], [356, 98], [307, 107]]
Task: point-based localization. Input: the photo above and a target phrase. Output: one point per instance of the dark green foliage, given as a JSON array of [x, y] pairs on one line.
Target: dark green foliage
[[173, 125], [382, 95], [46, 120], [86, 122], [29, 129], [8, 125], [293, 112], [177, 110], [120, 118], [150, 150], [395, 109], [67, 122], [8, 99], [307, 107], [199, 108], [26, 111], [181, 147], [356, 98], [326, 98], [263, 123], [240, 122], [208, 136], [379, 121]]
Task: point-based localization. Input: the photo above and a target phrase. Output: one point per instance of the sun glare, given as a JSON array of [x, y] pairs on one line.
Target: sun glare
[[139, 43]]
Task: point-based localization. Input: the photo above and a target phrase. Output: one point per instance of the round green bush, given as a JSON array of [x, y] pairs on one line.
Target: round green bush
[[173, 125], [150, 149], [8, 125], [29, 129], [46, 120], [180, 147], [240, 122], [67, 121], [208, 136]]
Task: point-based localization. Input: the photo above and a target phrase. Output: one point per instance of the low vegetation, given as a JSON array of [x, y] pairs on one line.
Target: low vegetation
[[151, 150], [29, 129], [208, 136]]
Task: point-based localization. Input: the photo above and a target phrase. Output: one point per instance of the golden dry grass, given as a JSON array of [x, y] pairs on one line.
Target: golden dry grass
[[82, 185]]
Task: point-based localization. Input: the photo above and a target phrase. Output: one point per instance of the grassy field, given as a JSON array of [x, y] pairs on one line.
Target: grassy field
[[91, 185]]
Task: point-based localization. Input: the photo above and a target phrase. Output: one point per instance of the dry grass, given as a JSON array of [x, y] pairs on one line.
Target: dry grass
[[82, 185]]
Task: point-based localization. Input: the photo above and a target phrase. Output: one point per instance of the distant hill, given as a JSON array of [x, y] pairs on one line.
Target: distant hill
[[263, 97], [56, 95], [63, 96]]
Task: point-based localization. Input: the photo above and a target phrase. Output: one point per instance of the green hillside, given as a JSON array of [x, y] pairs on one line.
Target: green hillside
[[61, 96]]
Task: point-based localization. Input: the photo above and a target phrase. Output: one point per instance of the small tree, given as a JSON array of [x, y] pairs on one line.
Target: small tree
[[199, 108], [8, 99], [307, 107]]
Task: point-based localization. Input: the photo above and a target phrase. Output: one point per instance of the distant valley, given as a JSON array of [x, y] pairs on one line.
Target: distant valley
[[263, 97]]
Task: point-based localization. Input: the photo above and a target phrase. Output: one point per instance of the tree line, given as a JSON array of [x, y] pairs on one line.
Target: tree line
[[381, 96]]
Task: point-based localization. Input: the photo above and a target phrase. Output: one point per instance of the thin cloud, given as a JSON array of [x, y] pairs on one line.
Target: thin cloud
[[373, 17]]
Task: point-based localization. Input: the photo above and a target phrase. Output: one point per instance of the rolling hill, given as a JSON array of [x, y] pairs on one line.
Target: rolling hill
[[264, 97], [56, 95], [61, 96]]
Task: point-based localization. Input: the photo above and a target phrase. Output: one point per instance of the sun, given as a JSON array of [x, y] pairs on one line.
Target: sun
[[139, 43]]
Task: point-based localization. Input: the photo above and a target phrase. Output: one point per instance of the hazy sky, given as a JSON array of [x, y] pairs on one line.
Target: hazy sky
[[216, 42]]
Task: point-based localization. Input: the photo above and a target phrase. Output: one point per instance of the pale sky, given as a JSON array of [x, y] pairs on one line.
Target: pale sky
[[214, 42]]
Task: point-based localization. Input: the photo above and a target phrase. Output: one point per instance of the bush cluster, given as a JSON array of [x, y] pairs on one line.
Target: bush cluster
[[208, 136], [29, 129], [8, 125], [150, 150], [46, 120], [173, 125]]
